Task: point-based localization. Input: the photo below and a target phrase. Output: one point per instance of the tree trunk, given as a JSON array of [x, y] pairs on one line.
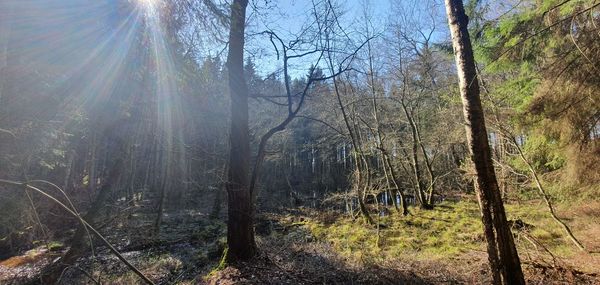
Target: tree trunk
[[357, 152], [420, 192], [161, 204], [79, 242], [366, 177], [397, 190], [92, 170], [380, 144], [240, 229], [503, 257], [131, 178], [429, 167], [216, 208], [67, 182]]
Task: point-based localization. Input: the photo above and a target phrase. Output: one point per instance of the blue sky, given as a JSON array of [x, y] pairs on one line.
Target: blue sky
[[287, 17]]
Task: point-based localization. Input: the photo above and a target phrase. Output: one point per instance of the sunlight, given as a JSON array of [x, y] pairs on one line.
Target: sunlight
[[148, 5], [148, 2], [168, 107]]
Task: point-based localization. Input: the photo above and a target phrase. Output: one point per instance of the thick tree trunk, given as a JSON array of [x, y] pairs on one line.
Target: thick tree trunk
[[504, 260], [240, 228]]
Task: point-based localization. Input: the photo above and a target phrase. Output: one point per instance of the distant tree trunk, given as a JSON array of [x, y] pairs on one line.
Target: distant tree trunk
[[131, 178], [397, 190], [79, 242], [240, 230], [92, 170], [419, 188], [216, 208], [150, 162], [364, 174], [380, 144], [357, 152], [7, 61], [161, 203], [67, 182], [503, 257]]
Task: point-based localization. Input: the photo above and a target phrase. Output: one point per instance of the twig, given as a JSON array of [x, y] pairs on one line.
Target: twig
[[100, 236], [82, 271]]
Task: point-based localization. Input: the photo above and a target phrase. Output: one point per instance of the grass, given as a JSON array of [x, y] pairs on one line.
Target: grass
[[445, 231], [156, 267], [545, 229], [450, 229]]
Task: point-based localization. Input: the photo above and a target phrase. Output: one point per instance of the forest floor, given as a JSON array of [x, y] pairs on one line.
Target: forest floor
[[305, 246]]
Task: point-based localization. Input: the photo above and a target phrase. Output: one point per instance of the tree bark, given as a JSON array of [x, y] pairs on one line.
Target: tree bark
[[240, 229], [503, 257]]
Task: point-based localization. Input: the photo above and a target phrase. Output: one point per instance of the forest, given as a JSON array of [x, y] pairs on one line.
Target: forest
[[300, 142]]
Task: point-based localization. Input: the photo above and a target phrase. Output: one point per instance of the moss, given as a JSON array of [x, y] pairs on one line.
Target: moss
[[55, 246], [153, 266], [220, 266], [209, 231], [223, 262], [448, 229]]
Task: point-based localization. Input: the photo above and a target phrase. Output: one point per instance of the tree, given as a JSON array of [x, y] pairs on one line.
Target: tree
[[503, 257], [240, 228], [542, 62]]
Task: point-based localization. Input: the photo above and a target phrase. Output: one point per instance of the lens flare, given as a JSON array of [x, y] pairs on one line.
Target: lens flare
[[100, 58], [147, 2], [148, 5]]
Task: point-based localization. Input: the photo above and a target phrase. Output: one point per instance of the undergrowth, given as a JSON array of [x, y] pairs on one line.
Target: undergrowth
[[448, 230]]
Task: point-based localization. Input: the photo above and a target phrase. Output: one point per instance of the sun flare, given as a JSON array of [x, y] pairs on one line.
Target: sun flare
[[147, 2], [149, 5]]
